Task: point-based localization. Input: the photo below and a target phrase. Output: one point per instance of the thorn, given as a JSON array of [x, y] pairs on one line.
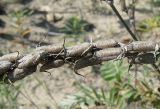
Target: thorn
[[48, 72], [17, 56], [91, 45], [75, 70], [16, 61], [124, 50], [64, 49]]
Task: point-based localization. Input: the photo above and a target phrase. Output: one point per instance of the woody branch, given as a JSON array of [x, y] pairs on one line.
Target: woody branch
[[16, 66]]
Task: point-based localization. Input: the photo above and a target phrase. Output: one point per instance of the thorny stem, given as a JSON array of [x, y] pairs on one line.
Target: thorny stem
[[132, 21], [46, 57], [131, 14]]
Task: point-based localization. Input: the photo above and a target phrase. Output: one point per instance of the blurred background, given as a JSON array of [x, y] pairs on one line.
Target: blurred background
[[27, 24]]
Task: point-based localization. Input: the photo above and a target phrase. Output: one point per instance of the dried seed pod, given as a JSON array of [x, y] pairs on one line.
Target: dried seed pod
[[108, 52], [141, 46], [53, 49], [85, 62], [105, 44], [146, 58], [11, 57], [79, 50], [5, 66], [31, 59], [18, 74], [108, 58], [50, 65]]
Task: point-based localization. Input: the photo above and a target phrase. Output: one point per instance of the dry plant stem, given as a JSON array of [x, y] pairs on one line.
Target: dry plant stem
[[121, 19], [12, 57], [123, 5], [53, 56], [4, 66], [131, 14]]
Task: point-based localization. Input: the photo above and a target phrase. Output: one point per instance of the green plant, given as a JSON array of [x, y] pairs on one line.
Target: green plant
[[116, 96], [76, 26], [155, 3], [8, 96], [122, 91], [149, 23], [86, 96], [19, 20]]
